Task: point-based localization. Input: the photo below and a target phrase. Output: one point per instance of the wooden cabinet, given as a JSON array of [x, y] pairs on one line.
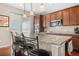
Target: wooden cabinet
[[38, 22], [41, 24], [66, 17], [58, 15], [75, 42], [73, 16], [70, 16], [44, 20], [47, 20], [77, 14], [53, 17]]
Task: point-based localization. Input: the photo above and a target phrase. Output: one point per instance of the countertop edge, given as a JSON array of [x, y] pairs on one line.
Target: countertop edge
[[63, 34]]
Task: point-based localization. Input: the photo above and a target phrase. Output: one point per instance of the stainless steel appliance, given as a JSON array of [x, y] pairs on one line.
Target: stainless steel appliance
[[57, 22], [76, 30]]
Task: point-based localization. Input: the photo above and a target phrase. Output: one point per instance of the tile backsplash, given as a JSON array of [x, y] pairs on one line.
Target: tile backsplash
[[61, 29]]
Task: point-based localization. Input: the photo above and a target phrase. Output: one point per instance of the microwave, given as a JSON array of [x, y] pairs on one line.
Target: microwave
[[56, 22]]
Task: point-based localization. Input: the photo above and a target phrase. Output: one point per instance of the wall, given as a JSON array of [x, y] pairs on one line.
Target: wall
[[14, 19], [27, 27], [15, 22]]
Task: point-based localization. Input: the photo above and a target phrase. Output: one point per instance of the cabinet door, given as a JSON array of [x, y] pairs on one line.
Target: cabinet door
[[58, 15], [66, 17], [73, 16], [77, 14], [53, 16], [44, 20], [47, 20], [75, 43]]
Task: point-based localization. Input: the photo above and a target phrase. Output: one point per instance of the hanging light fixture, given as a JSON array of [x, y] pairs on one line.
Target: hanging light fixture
[[31, 12], [24, 15], [42, 7]]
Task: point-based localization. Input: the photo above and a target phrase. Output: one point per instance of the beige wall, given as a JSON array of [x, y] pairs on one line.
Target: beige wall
[[15, 22], [14, 19]]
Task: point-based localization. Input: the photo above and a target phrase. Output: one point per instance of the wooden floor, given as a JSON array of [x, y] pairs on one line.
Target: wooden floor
[[66, 54], [74, 53]]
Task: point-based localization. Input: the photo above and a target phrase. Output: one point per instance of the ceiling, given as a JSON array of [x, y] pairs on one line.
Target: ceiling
[[49, 7]]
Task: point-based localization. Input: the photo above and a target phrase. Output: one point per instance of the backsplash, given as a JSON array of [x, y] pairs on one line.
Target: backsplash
[[62, 29]]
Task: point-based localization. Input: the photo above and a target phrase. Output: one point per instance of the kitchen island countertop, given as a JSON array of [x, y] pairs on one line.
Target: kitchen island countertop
[[53, 39]]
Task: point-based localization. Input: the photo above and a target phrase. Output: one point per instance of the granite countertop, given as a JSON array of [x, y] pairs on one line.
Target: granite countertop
[[53, 39], [64, 34], [61, 34]]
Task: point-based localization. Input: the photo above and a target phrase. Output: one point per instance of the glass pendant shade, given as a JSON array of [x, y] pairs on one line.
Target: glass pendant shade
[[24, 15], [42, 7]]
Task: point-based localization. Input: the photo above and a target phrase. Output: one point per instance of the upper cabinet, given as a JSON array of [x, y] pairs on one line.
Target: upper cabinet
[[52, 16], [44, 20], [56, 15], [70, 16], [73, 15], [66, 17]]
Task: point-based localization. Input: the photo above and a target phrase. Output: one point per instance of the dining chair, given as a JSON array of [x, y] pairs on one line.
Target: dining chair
[[16, 45]]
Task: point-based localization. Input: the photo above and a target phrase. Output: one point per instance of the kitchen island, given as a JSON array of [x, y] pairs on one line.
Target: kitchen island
[[53, 43]]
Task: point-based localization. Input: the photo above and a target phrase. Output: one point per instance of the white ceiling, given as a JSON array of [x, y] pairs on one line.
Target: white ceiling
[[49, 7]]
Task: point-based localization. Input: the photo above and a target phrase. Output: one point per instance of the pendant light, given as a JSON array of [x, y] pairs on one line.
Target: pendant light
[[42, 7], [31, 12], [24, 15]]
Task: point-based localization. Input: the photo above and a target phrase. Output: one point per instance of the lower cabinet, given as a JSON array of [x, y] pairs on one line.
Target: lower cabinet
[[75, 42]]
